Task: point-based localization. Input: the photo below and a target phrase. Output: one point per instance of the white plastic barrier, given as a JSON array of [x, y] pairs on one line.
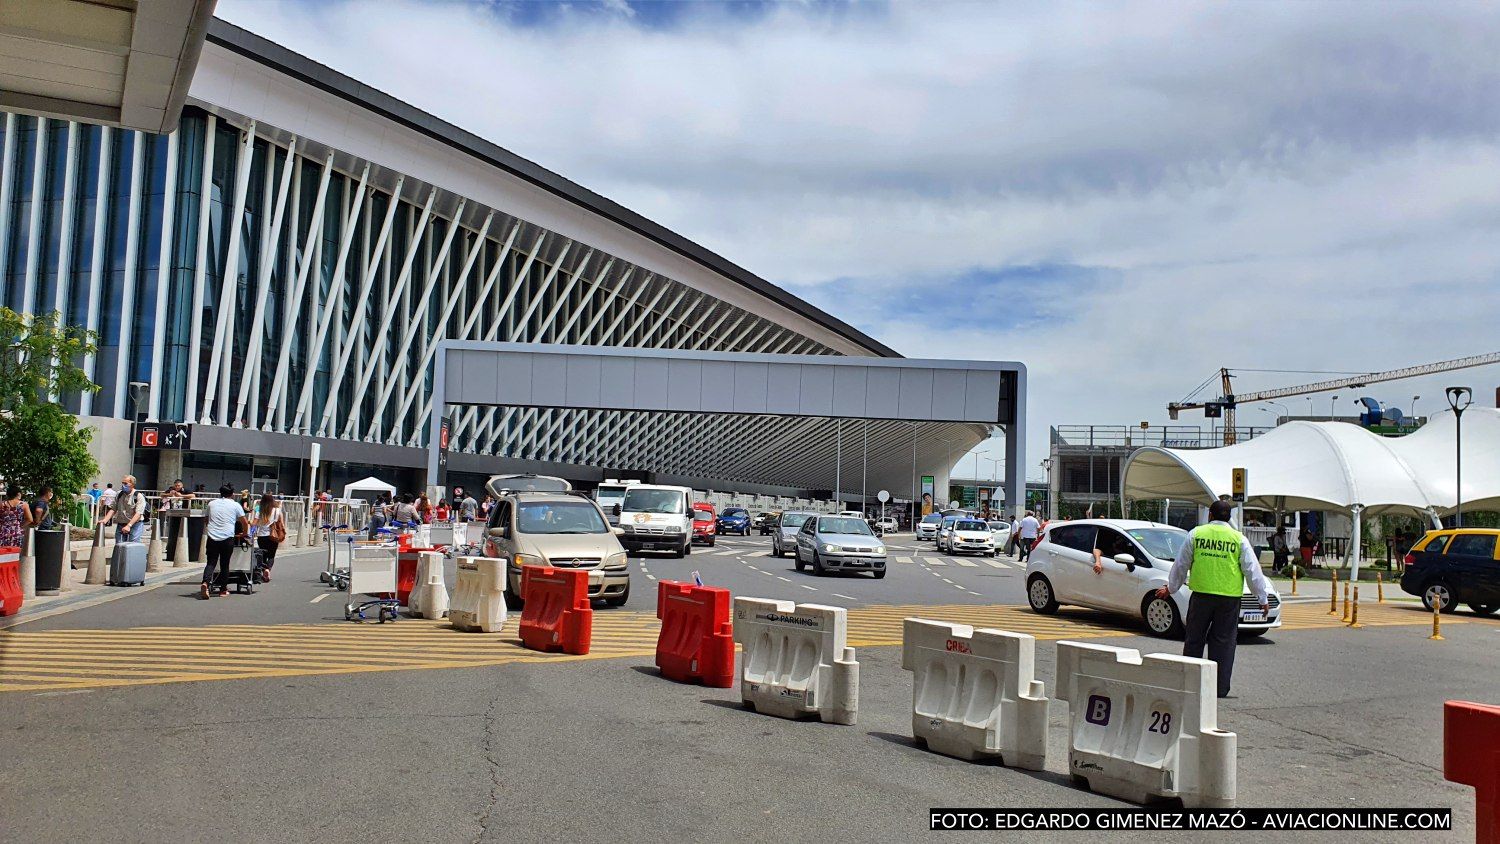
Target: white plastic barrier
[[440, 534], [973, 692], [478, 595], [423, 536], [429, 595], [1142, 729], [795, 662]]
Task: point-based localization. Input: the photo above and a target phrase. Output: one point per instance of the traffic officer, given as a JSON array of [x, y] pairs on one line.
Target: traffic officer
[[1216, 561]]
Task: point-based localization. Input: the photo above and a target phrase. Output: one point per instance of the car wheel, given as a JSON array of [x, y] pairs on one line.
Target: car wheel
[[1484, 609], [711, 541], [880, 574], [1039, 595], [1161, 616], [797, 553], [512, 600], [1437, 592], [817, 564], [687, 548]]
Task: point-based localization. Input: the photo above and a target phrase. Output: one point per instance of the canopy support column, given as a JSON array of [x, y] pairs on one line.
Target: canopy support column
[[1354, 549]]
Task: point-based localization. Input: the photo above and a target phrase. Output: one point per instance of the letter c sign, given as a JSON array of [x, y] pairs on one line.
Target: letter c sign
[[1097, 711]]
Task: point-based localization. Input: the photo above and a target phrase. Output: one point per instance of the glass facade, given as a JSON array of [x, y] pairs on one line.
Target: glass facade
[[250, 287]]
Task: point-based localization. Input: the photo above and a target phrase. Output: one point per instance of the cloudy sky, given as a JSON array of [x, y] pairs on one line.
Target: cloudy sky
[[1124, 196]]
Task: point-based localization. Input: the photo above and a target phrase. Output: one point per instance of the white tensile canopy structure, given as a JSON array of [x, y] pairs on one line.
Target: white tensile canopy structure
[[368, 487], [1335, 466]]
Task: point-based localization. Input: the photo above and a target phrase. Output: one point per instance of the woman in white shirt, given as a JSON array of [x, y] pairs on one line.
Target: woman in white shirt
[[270, 532]]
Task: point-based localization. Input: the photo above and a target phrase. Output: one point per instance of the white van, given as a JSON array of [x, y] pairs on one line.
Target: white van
[[610, 493], [657, 518]]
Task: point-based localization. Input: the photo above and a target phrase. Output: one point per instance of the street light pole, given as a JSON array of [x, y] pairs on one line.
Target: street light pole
[[1331, 402], [1414, 406], [1459, 399]]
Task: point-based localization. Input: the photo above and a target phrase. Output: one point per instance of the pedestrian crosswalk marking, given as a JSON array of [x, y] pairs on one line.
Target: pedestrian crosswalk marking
[[936, 562], [968, 564], [903, 559], [54, 660]]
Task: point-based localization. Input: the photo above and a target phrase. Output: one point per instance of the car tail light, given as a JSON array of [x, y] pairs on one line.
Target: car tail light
[[1410, 559]]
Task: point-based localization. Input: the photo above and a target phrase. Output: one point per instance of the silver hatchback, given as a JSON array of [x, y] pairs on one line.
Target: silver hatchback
[[784, 534], [839, 543]]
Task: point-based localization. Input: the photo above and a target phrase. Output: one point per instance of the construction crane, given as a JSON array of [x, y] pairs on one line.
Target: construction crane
[[1227, 401]]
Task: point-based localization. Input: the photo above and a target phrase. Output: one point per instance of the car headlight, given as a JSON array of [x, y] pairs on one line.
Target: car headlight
[[880, 550], [529, 560], [616, 560], [832, 549]]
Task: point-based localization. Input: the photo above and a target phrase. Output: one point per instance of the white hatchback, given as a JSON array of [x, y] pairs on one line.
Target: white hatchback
[[1136, 558]]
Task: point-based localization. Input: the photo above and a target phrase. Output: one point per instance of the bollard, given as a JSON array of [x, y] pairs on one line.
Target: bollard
[[1294, 580], [156, 550], [1333, 594], [1379, 589], [1354, 617], [98, 571], [179, 546], [28, 565], [1437, 621], [1346, 602]]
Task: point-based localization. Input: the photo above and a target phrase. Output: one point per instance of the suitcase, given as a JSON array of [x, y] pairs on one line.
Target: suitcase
[[242, 564], [128, 565]]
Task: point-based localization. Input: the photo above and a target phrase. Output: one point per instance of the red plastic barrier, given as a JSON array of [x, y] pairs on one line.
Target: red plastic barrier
[[10, 581], [696, 643], [558, 615], [406, 569], [1471, 756]]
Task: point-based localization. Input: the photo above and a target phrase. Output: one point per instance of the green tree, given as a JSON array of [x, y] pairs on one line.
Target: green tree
[[40, 442], [43, 444]]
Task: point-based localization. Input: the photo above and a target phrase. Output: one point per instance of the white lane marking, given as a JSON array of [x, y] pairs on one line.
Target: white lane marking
[[845, 597], [936, 562], [320, 597], [768, 574], [935, 574], [805, 586], [903, 559], [956, 586], [64, 692], [786, 579], [968, 564], [650, 577]]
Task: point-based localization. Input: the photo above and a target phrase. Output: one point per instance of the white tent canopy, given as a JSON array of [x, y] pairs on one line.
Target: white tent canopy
[[1334, 466], [367, 487]]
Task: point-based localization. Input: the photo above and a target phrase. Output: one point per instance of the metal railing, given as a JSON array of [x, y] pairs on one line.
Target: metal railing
[[1166, 436]]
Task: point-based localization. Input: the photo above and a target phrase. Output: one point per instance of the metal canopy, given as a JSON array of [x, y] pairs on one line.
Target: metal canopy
[[970, 395]]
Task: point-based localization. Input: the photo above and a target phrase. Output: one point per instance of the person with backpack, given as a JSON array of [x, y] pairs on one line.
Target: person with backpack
[[127, 512], [270, 532]]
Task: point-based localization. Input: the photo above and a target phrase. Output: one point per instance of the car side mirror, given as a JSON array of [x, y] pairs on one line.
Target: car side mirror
[[1126, 560], [618, 531], [616, 509]]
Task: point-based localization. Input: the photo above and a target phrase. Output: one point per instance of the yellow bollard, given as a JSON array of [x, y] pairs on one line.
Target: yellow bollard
[[1294, 580], [1346, 602], [1333, 594], [1437, 616], [1354, 618], [1379, 589]]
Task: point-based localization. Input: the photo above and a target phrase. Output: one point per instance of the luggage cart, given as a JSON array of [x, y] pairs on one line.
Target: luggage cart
[[371, 581], [339, 541], [242, 564]]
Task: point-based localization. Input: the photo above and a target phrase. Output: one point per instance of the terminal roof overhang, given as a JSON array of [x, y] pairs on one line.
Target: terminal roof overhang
[[222, 34], [125, 63]]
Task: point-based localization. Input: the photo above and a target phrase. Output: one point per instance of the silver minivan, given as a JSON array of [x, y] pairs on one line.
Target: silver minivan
[[545, 523]]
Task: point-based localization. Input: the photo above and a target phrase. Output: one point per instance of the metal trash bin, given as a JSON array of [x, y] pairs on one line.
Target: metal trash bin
[[195, 525], [51, 551]]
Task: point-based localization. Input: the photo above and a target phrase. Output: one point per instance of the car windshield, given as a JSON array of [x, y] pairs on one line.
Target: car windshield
[[559, 517], [793, 520], [843, 524], [970, 525], [702, 516], [999, 525], [1161, 543], [735, 513], [932, 519], [653, 501]]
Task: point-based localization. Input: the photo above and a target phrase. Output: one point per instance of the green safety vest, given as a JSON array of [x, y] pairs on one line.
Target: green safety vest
[[1216, 561]]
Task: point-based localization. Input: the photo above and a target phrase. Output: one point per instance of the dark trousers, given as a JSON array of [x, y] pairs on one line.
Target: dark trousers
[[1213, 620], [219, 551], [1025, 546], [268, 548]]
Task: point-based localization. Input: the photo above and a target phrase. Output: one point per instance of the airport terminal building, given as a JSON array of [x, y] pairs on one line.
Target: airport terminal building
[[278, 267]]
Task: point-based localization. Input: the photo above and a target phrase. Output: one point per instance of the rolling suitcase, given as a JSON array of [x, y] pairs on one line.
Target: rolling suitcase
[[128, 565], [242, 570]]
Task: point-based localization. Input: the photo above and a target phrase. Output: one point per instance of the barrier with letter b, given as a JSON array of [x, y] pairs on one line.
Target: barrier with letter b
[[478, 603], [1143, 729], [696, 642], [1471, 756], [973, 692], [795, 661], [557, 615]]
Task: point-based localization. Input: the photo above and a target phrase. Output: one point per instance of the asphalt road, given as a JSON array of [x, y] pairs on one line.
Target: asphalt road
[[605, 749]]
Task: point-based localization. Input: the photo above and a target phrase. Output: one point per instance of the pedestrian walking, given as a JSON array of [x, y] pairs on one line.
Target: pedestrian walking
[[424, 509], [225, 525], [1014, 537], [15, 518], [1029, 529], [270, 532], [468, 509], [1307, 543], [1216, 562], [127, 511]]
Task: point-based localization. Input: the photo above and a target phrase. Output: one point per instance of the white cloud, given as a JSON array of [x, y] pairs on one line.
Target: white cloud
[[1291, 186]]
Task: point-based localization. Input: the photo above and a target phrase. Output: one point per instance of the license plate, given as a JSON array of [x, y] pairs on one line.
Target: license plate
[[1253, 617]]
